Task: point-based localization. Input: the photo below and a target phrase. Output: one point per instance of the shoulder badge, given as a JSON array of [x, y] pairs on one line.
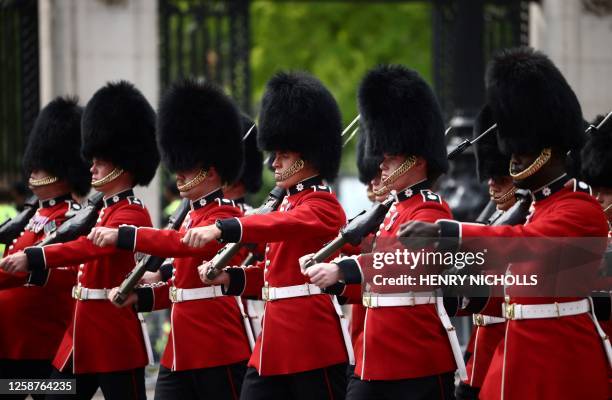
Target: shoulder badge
[[580, 186], [321, 188], [428, 195], [135, 200]]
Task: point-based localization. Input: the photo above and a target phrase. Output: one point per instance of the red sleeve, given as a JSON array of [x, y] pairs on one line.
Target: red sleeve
[[245, 281], [318, 215], [571, 219], [167, 243], [82, 249]]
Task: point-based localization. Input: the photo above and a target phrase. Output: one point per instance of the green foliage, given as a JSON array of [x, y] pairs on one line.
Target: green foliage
[[337, 42]]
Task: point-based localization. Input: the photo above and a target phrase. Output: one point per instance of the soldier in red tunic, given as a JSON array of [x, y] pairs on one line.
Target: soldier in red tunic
[[301, 352], [250, 182], [489, 324], [596, 170], [104, 347], [29, 333], [404, 350], [200, 135], [552, 347]]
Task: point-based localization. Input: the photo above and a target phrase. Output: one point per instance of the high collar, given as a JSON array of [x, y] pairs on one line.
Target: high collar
[[54, 201], [550, 188], [308, 183], [207, 199], [412, 190], [117, 197]]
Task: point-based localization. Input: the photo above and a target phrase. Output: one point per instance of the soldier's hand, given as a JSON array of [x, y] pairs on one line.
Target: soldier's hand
[[198, 237], [103, 237], [129, 301], [419, 235], [304, 260], [222, 279], [17, 262], [150, 277], [324, 274]]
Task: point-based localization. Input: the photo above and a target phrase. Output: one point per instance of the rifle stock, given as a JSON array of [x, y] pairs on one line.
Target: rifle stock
[[79, 224], [10, 229]]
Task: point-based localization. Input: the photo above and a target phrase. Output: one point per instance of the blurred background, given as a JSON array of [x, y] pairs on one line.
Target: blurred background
[[58, 47]]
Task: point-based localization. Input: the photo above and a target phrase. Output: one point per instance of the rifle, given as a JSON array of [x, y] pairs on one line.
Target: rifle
[[10, 229], [149, 262], [79, 224], [227, 252], [354, 232]]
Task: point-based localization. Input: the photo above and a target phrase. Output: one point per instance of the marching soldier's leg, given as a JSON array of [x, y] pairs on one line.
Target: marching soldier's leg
[[173, 385], [360, 390], [86, 385], [25, 369], [223, 382], [256, 387], [128, 385], [324, 383]]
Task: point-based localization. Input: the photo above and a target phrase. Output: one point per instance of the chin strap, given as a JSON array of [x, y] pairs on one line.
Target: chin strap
[[292, 170], [534, 167], [199, 178], [401, 170], [114, 174], [47, 180]]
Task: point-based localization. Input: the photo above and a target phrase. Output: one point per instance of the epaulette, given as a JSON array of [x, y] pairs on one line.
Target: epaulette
[[135, 200], [321, 188], [580, 186], [226, 202], [73, 208], [428, 195]]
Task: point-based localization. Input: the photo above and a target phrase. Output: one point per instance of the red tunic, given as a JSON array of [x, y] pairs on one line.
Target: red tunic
[[301, 333], [206, 332], [101, 337], [27, 330], [406, 341], [549, 358]]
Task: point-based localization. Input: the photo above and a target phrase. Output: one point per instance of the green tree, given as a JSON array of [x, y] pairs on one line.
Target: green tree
[[337, 42]]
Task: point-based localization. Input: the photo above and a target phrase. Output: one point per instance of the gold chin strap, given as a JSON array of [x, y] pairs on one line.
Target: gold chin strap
[[199, 178], [47, 180], [292, 170], [401, 170], [114, 174], [533, 168], [504, 198]]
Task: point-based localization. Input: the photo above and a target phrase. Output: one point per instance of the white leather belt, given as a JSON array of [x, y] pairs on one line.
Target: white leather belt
[[178, 295], [83, 293], [375, 300], [287, 292], [555, 310], [484, 320]]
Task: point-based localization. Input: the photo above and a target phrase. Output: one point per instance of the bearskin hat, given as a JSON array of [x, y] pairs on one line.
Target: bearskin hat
[[54, 144], [596, 156], [368, 164], [299, 114], [401, 115], [119, 126], [199, 127], [490, 162], [253, 157], [532, 103]]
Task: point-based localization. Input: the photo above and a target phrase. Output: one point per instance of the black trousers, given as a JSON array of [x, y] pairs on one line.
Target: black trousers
[[24, 369], [116, 385], [320, 384], [436, 387], [466, 392], [222, 383]]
